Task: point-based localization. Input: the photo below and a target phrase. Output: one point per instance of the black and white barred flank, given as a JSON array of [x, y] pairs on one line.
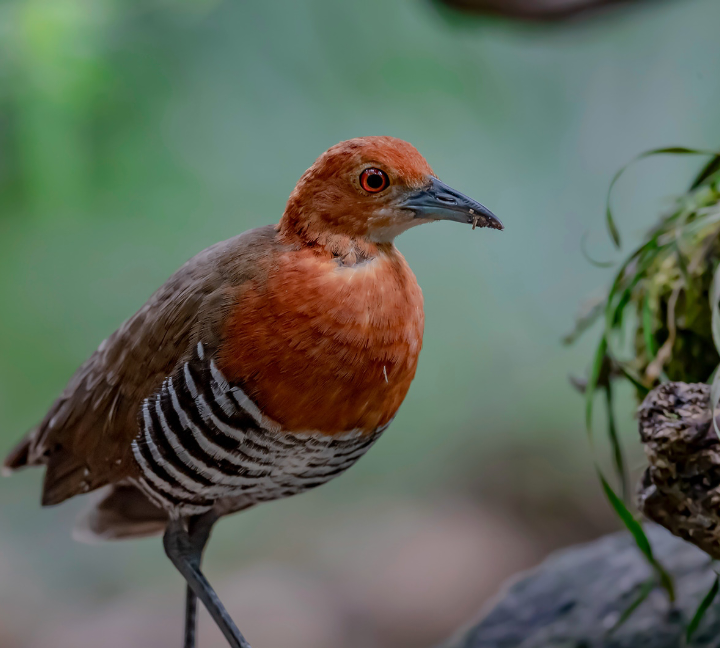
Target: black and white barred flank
[[202, 440]]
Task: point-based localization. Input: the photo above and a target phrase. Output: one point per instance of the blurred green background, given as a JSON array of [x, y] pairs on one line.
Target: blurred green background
[[134, 134]]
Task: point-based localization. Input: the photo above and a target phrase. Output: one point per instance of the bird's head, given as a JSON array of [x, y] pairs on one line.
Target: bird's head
[[374, 188]]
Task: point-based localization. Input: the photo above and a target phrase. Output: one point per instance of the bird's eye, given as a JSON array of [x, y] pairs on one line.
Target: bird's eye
[[374, 180]]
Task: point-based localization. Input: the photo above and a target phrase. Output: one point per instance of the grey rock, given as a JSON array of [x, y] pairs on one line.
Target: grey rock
[[575, 597]]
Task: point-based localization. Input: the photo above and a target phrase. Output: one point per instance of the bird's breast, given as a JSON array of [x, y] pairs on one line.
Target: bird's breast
[[324, 347]]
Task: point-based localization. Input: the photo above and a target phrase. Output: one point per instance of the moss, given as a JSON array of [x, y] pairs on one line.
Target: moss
[[658, 319]]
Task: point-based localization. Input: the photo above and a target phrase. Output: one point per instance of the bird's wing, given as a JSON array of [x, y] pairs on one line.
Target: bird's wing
[[85, 439]]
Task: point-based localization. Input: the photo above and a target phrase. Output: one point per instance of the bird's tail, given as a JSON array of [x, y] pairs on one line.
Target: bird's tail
[[19, 456], [120, 512]]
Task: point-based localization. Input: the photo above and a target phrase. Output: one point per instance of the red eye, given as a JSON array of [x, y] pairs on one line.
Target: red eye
[[374, 180]]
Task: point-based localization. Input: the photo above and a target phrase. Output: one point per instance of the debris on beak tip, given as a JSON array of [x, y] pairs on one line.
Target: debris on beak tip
[[483, 221]]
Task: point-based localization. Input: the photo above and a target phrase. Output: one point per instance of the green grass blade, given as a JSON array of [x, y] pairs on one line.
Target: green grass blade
[[708, 170], [588, 258], [623, 286], [702, 608], [588, 315], [642, 389], [593, 381], [715, 308], [616, 447], [638, 534], [674, 150], [715, 325], [668, 150], [617, 312], [645, 589], [715, 397], [666, 581], [647, 325], [682, 264], [628, 519], [611, 227]]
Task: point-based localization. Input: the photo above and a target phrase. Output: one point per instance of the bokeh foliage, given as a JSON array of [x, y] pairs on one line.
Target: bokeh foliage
[[133, 134]]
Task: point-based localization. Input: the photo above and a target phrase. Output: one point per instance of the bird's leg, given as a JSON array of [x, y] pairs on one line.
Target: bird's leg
[[199, 528], [184, 542], [190, 618]]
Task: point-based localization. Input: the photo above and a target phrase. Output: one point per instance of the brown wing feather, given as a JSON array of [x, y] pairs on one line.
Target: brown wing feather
[[85, 439]]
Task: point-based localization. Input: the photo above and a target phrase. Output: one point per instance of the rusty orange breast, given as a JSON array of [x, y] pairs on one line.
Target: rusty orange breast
[[325, 347]]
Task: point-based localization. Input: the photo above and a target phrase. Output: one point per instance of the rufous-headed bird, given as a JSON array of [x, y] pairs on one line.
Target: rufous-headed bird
[[265, 366]]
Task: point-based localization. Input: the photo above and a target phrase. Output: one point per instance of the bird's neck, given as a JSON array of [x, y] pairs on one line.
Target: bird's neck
[[349, 250], [339, 236]]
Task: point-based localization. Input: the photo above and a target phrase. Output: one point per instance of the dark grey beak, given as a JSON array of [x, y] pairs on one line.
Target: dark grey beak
[[440, 202]]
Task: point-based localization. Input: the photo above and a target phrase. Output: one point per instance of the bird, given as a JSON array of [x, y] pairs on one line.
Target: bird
[[267, 365]]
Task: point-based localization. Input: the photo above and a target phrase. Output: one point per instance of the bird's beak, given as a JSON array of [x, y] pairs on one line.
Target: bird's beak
[[440, 202]]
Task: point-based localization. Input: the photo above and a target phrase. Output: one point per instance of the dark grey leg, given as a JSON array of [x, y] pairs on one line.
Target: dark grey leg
[[184, 541], [190, 618], [199, 528]]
